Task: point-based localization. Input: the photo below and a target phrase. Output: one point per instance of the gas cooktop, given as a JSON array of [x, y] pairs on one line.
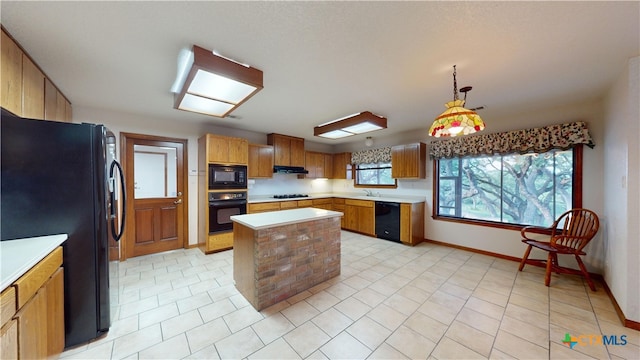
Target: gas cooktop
[[289, 196]]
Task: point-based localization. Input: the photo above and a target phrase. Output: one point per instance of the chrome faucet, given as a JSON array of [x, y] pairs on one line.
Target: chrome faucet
[[368, 192]]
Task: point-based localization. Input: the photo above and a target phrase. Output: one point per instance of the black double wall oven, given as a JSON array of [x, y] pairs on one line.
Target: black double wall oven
[[227, 195]]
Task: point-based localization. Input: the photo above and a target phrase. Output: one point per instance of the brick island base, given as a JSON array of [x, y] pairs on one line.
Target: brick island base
[[275, 263]]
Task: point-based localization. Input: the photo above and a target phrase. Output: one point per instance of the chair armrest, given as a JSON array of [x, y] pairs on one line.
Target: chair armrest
[[570, 241], [533, 229]]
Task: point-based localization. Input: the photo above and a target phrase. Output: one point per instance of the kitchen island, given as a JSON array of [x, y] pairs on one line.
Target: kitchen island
[[279, 254]]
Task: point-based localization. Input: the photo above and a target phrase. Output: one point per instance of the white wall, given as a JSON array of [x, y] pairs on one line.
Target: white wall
[[621, 184]]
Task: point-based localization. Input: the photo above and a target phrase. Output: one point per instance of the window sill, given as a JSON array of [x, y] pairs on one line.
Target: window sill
[[491, 224]]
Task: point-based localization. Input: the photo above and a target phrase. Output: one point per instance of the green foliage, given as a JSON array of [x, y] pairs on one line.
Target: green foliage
[[529, 189], [374, 174]]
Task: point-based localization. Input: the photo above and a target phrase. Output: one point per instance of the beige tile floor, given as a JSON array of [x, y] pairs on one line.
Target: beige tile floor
[[390, 302]]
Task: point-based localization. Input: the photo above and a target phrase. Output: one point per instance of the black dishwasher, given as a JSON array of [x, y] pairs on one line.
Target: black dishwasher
[[388, 220]]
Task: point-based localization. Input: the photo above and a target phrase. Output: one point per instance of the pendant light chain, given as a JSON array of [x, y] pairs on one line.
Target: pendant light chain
[[455, 84]]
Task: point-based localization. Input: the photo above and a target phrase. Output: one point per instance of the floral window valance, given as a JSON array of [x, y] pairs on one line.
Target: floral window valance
[[561, 136], [371, 156]]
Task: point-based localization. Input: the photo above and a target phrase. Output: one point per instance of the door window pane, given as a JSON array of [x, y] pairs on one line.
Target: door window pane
[[155, 172]]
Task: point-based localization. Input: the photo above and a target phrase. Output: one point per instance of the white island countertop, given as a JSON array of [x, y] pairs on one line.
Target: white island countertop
[[271, 219], [19, 255]]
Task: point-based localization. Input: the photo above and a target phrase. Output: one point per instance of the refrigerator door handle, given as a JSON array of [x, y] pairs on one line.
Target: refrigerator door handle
[[117, 235]]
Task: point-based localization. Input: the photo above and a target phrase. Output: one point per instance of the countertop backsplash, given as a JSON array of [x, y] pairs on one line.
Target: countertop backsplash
[[290, 184]]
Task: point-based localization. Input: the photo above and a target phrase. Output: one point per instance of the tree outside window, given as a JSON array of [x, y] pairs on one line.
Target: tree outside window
[[527, 189], [374, 174]]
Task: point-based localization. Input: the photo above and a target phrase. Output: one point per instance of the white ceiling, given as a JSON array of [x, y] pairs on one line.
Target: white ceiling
[[325, 60]]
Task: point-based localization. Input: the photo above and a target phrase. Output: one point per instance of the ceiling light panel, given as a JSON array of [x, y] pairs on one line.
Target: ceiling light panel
[[214, 85], [351, 125]]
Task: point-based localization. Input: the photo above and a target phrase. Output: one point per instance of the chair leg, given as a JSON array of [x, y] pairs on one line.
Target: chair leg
[[524, 258], [585, 273], [554, 264], [547, 275]]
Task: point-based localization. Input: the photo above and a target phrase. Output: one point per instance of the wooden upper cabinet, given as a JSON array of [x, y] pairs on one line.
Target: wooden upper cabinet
[[297, 152], [311, 164], [409, 161], [227, 150], [26, 90], [328, 166], [319, 165], [32, 90], [287, 150], [239, 151], [56, 106], [342, 168], [11, 75], [260, 161], [281, 150]]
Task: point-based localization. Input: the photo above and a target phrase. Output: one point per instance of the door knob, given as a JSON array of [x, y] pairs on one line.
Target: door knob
[[179, 201]]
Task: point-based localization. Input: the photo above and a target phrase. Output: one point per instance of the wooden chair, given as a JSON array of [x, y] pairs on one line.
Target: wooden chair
[[570, 233]]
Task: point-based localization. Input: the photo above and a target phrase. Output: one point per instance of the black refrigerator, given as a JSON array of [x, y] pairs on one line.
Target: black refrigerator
[[58, 178]]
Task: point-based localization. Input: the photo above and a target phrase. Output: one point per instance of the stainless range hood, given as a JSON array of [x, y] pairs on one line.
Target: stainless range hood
[[290, 170]]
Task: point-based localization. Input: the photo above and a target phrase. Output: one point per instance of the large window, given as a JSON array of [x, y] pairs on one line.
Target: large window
[[528, 189], [378, 174]]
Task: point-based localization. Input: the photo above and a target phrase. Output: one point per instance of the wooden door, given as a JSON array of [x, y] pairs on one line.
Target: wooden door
[[155, 177]]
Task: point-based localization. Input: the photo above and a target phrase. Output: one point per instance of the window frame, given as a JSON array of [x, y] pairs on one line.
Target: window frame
[[379, 186], [576, 197]]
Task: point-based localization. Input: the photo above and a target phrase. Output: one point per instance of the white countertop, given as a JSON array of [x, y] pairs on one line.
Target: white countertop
[[20, 255], [357, 196], [283, 217]]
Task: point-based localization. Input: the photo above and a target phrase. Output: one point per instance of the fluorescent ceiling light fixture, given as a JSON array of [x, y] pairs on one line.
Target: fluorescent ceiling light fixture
[[211, 84], [351, 125]]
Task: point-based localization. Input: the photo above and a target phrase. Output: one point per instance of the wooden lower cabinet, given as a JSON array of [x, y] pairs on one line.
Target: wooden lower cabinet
[[32, 327], [219, 242], [55, 314], [9, 330], [412, 223], [263, 207], [9, 340], [326, 204], [285, 205], [359, 216], [33, 312], [338, 205]]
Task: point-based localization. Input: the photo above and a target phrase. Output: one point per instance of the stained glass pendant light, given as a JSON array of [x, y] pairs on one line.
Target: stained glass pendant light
[[456, 120]]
